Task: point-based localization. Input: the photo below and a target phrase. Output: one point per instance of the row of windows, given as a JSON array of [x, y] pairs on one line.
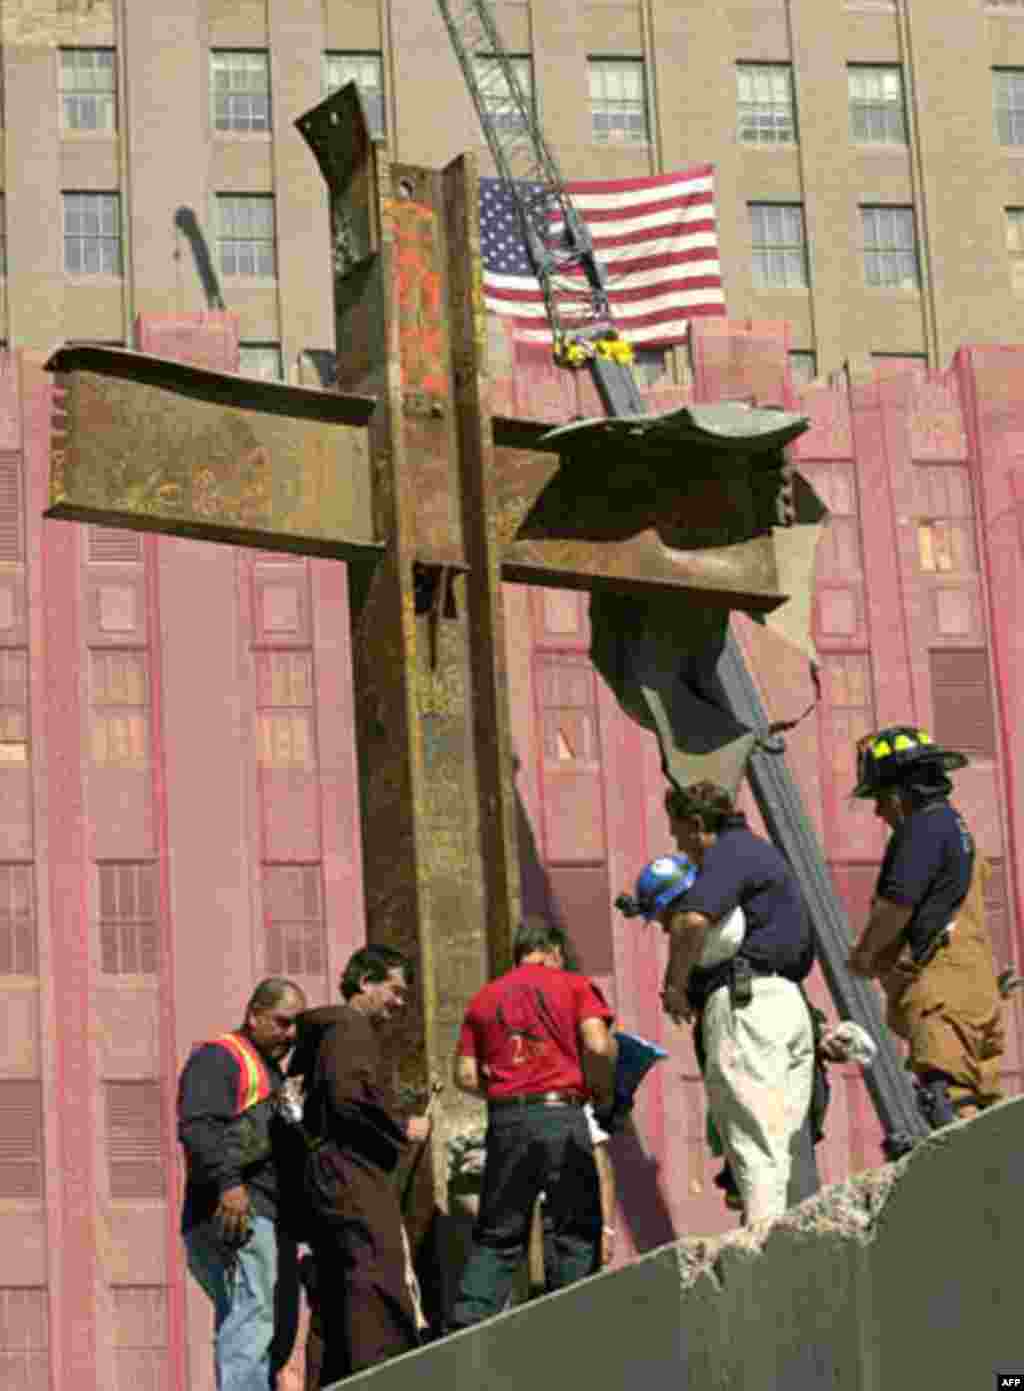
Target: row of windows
[[128, 923], [246, 247], [239, 87], [766, 109], [245, 234], [779, 247], [240, 91]]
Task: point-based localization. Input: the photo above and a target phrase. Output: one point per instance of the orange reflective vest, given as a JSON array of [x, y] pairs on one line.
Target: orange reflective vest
[[253, 1077]]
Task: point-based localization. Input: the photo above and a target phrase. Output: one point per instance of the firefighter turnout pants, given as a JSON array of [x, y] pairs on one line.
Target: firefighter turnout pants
[[950, 1011]]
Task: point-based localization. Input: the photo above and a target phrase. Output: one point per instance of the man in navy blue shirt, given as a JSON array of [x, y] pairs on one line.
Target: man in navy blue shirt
[[926, 939], [754, 1021]]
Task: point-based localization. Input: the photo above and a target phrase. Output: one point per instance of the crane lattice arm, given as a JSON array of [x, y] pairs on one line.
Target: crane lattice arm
[[572, 281]]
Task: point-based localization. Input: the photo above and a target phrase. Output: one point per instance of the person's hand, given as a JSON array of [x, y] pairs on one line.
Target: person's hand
[[676, 1005], [832, 1049], [232, 1214], [607, 1245], [417, 1129]]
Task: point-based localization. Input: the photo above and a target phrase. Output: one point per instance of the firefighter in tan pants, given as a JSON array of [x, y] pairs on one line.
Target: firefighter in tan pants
[[925, 940]]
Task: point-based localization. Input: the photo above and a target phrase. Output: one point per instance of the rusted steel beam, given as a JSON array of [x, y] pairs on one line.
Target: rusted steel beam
[[159, 446]]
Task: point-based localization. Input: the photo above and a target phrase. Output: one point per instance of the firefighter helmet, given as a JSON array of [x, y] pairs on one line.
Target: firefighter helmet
[[885, 759]]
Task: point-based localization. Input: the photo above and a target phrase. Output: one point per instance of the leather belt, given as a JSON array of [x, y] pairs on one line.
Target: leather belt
[[538, 1099]]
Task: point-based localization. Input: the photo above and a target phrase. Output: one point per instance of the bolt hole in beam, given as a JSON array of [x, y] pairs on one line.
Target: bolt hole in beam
[[434, 590]]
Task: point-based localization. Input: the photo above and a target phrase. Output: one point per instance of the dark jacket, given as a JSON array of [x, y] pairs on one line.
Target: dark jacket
[[207, 1100]]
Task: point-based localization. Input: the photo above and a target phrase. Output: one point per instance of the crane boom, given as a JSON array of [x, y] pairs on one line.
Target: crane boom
[[574, 286], [572, 280]]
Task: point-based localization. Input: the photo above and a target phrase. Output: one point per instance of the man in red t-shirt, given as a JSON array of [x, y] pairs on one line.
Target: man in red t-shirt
[[536, 1044]]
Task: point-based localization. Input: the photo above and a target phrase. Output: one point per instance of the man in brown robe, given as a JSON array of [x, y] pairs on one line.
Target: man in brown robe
[[362, 1300]]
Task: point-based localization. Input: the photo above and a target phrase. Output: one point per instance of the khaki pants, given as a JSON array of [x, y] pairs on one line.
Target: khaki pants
[[950, 1011], [758, 1074]]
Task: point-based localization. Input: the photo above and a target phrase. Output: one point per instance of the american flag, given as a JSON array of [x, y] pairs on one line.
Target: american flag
[[655, 237]]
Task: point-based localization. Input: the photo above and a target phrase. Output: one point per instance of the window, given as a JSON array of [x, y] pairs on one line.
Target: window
[[368, 70], [128, 920], [764, 95], [140, 1336], [496, 92], [120, 718], [848, 685], [1008, 93], [651, 367], [888, 364], [777, 238], [21, 1139], [14, 744], [945, 529], [10, 511], [261, 360], [286, 738], [1015, 246], [108, 543], [997, 915], [890, 248], [803, 367], [18, 950], [240, 91], [618, 101], [245, 234], [24, 1338], [294, 920], [876, 105], [92, 233], [963, 712], [88, 86], [135, 1140]]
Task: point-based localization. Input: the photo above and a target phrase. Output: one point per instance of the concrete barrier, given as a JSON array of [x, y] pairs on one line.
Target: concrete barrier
[[904, 1276]]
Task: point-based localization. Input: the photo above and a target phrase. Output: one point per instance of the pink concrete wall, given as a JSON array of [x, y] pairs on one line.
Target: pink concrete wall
[[177, 732]]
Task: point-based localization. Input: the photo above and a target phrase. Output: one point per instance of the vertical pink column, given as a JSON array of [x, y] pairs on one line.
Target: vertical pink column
[[203, 340], [992, 389], [72, 1090], [341, 844]]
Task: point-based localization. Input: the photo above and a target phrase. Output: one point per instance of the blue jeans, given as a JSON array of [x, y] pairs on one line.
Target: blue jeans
[[255, 1303]]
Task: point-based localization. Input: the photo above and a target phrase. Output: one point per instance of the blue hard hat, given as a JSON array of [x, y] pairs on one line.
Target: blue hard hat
[[662, 882]]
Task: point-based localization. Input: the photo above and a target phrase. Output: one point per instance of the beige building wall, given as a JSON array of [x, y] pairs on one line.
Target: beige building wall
[[165, 154]]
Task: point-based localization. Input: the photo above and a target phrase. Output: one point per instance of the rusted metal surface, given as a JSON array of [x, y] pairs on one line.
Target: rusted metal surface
[[165, 447], [496, 791], [418, 712], [741, 576]]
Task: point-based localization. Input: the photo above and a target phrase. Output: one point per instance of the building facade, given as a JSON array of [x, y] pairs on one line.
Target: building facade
[[176, 746]]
